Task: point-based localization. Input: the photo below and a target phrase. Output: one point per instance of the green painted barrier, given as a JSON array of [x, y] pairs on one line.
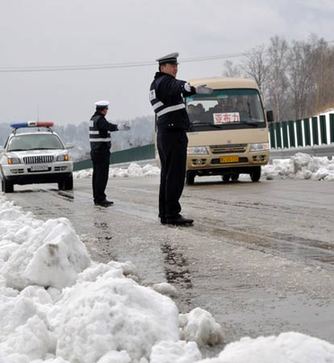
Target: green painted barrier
[[307, 132], [331, 126], [278, 135], [323, 129], [272, 136], [292, 133], [134, 154], [299, 133], [285, 134], [315, 130]]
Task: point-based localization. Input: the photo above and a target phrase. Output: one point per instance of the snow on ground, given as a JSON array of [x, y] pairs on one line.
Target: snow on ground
[[59, 306], [286, 348], [132, 170], [299, 166]]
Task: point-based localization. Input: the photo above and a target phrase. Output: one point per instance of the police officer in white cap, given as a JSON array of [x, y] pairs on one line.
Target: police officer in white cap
[[100, 143], [166, 97]]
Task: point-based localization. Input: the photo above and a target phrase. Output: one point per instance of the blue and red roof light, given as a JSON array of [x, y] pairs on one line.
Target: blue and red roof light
[[32, 124]]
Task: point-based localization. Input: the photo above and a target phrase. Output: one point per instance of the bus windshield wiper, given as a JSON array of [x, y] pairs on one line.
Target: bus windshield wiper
[[205, 124], [251, 123]]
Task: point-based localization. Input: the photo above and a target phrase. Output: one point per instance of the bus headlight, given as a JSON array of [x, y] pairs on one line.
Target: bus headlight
[[197, 150], [12, 161], [259, 147]]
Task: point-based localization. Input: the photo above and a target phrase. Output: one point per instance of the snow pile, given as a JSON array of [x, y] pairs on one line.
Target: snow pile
[[286, 348], [200, 326], [175, 352], [132, 170], [111, 313], [35, 252], [300, 166], [58, 306], [165, 288]]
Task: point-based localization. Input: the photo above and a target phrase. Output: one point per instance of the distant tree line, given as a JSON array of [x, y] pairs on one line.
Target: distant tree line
[[296, 79]]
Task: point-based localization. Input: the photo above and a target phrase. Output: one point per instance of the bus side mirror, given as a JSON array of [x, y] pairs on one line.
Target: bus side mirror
[[270, 116]]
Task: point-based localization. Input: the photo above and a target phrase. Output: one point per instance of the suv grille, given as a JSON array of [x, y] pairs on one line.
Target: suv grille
[[38, 159], [228, 148]]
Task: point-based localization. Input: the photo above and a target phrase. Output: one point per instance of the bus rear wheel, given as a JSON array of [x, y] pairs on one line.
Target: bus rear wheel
[[234, 177]]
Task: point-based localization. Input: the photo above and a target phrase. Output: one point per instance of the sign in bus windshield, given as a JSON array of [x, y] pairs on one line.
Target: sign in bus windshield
[[231, 108]]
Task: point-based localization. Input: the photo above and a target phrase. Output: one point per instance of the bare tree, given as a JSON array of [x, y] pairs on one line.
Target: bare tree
[[323, 75], [231, 69], [277, 79], [256, 66], [301, 64]]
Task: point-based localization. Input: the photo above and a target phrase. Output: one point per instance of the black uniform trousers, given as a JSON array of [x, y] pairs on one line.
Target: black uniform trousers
[[172, 148], [100, 159]]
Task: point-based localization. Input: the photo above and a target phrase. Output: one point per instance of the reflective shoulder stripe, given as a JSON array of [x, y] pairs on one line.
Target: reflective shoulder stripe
[[171, 109], [157, 105], [108, 139], [93, 132]]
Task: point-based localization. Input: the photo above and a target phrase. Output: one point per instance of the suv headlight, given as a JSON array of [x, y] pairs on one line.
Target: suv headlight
[[11, 161], [63, 157], [195, 150], [259, 147]]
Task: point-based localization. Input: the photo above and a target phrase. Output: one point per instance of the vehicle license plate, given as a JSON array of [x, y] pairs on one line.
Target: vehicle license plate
[[229, 159], [39, 168]]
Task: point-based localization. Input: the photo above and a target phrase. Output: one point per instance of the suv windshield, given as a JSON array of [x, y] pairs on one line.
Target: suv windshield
[[34, 142], [225, 109]]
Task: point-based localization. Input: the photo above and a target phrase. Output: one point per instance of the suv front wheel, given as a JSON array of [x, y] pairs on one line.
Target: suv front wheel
[[66, 183], [7, 186]]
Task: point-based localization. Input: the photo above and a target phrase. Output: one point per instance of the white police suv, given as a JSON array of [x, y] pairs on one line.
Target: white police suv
[[34, 153]]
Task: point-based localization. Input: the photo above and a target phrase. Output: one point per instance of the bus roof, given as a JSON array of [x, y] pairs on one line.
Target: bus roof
[[225, 83]]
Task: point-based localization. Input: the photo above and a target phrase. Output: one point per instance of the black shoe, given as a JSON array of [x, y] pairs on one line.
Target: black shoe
[[104, 203], [163, 220], [179, 221]]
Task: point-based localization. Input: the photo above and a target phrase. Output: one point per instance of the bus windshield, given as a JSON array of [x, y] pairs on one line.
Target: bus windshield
[[225, 109]]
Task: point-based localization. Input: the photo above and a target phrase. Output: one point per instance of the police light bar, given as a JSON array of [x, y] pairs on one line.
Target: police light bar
[[32, 124]]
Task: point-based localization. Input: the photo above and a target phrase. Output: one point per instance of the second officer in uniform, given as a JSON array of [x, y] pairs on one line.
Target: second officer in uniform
[[100, 143], [166, 97]]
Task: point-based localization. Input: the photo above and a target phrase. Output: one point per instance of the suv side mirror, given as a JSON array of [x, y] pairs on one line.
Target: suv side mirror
[[270, 116], [69, 146]]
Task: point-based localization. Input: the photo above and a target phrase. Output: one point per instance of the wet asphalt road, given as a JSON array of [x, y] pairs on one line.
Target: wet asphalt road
[[260, 256]]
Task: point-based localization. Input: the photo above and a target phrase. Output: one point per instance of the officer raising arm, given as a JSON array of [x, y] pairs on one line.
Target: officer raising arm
[[166, 97], [100, 143]]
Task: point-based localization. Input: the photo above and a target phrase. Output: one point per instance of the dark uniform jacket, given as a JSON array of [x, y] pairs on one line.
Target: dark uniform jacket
[[99, 132], [166, 97]]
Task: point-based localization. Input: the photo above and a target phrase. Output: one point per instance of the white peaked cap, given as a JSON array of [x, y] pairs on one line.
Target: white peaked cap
[[102, 103]]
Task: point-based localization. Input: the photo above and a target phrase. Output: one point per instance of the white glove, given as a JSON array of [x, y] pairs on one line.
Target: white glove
[[124, 126], [187, 87], [203, 89]]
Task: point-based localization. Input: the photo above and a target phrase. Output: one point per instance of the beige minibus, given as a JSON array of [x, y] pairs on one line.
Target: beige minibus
[[228, 133]]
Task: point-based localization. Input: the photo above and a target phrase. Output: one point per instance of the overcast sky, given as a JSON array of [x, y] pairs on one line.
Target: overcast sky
[[85, 32]]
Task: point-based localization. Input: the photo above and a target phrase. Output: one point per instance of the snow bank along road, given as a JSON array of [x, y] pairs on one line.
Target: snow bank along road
[[260, 257]]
